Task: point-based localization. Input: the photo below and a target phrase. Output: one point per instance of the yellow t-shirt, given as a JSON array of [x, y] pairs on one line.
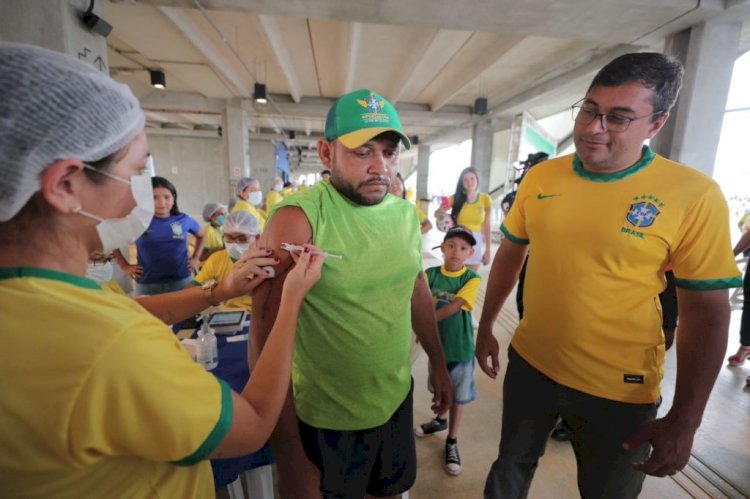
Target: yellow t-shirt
[[272, 199], [472, 215], [243, 205], [218, 267], [214, 240], [98, 399], [599, 245]]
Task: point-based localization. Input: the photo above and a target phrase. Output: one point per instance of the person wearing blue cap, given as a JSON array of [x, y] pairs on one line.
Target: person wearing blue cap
[[349, 430]]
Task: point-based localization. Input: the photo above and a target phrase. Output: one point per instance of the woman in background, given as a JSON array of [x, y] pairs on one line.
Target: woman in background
[[472, 209], [214, 215], [250, 198], [163, 261]]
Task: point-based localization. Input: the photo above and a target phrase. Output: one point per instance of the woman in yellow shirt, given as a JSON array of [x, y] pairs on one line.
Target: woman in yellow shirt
[[472, 209], [214, 215], [104, 402], [250, 198]]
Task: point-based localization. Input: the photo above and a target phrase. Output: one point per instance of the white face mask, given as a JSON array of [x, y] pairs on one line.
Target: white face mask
[[278, 187], [100, 273], [236, 250], [115, 233], [255, 198]]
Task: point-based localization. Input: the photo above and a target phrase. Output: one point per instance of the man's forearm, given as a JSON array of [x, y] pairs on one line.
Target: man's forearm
[[702, 343]]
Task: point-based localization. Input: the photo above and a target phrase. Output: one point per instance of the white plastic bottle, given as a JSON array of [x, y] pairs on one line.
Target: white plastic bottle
[[207, 351]]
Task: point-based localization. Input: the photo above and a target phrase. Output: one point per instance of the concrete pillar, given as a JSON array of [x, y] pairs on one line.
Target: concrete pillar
[[423, 172], [481, 152], [698, 116], [56, 25], [236, 141]]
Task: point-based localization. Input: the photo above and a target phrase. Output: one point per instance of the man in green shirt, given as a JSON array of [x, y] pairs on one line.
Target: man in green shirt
[[351, 417]]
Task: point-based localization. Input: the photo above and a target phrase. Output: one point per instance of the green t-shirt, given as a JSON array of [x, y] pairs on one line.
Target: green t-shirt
[[456, 331], [351, 366]]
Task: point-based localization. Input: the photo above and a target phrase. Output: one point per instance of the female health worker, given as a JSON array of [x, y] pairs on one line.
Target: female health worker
[[97, 398]]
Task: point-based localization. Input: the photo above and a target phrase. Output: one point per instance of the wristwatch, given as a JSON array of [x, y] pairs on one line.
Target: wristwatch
[[208, 291]]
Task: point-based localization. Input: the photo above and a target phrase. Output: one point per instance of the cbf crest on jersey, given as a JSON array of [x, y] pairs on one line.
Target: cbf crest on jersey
[[643, 214], [177, 230]]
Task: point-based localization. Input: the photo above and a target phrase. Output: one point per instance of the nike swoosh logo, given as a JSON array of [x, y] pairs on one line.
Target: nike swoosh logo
[[545, 196]]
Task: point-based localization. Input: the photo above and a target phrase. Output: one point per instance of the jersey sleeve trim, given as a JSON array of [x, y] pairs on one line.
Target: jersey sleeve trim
[[511, 237], [709, 284], [218, 433]]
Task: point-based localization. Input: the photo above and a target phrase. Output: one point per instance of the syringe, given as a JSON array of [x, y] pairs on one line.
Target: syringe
[[296, 247]]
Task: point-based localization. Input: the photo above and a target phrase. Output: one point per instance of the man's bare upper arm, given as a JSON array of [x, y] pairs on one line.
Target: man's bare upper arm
[[288, 225]]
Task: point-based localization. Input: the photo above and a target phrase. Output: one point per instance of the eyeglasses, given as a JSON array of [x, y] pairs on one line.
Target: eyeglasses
[[611, 122]]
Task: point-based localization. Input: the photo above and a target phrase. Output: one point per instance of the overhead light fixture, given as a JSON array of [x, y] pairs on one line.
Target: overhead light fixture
[[94, 22], [157, 78], [480, 105], [260, 93]]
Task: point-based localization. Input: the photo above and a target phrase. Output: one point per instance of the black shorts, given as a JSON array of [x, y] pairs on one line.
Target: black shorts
[[380, 461]]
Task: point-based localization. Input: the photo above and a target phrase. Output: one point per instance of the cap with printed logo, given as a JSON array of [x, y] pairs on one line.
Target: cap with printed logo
[[359, 116], [462, 232]]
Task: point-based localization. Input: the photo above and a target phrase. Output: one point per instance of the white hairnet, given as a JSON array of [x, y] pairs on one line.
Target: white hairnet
[[210, 209], [242, 221], [243, 183], [53, 106]]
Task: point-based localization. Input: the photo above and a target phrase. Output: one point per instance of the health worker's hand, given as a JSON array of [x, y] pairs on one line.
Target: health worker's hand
[[306, 272]]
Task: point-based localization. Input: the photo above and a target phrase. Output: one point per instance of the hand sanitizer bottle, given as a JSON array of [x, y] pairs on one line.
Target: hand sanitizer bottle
[[207, 352]]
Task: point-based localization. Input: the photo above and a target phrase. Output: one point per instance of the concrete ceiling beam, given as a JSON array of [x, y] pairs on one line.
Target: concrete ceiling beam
[[479, 53], [188, 102], [412, 66], [355, 35], [275, 38], [212, 50]]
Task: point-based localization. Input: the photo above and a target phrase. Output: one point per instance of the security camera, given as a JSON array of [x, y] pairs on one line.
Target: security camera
[[94, 22]]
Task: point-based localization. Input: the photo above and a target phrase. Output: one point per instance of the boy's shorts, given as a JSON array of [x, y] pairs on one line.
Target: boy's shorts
[[462, 378], [380, 461]]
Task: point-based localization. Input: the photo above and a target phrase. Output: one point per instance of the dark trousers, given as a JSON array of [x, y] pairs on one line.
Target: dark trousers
[[532, 403], [745, 322]]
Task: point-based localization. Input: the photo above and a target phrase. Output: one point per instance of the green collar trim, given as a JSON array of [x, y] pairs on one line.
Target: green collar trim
[[219, 431], [647, 156], [55, 275], [511, 237], [709, 284]]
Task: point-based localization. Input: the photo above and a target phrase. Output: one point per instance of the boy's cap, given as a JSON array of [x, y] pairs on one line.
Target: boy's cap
[[462, 232], [357, 117]]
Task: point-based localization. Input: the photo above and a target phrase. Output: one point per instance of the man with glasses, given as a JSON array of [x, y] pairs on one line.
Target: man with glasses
[[590, 348]]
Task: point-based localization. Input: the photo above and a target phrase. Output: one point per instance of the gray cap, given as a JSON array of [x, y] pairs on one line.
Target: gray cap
[[210, 209], [242, 221], [52, 107], [243, 183]]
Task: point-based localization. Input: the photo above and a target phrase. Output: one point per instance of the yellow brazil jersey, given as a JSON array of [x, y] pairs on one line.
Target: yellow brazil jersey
[[472, 215], [599, 244], [243, 205], [272, 199], [98, 398], [218, 267], [214, 239]]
